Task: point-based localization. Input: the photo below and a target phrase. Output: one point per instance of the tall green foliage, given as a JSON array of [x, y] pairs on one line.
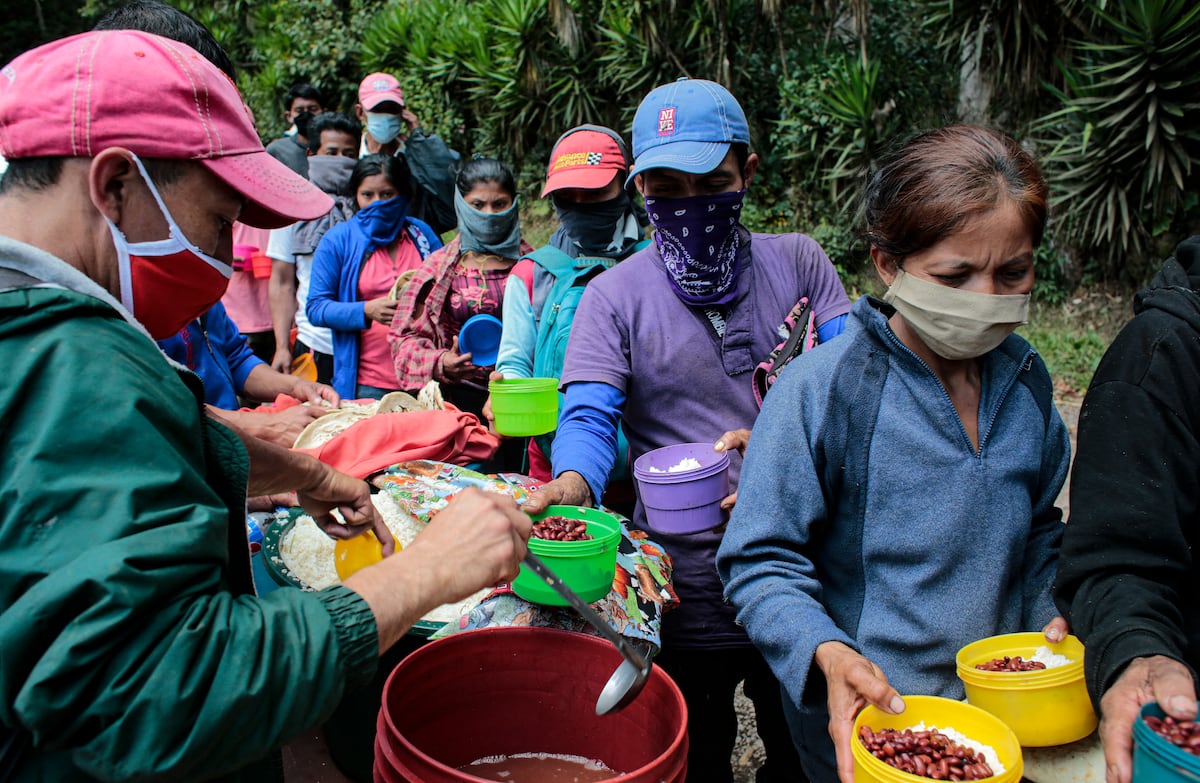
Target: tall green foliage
[[1123, 150]]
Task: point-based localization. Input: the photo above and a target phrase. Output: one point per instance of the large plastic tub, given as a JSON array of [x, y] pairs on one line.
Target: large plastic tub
[[501, 691]]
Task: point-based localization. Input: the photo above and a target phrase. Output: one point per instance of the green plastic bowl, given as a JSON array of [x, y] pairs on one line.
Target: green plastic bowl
[[587, 567], [525, 406]]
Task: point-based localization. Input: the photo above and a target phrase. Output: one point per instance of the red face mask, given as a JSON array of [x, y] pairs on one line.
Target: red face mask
[[168, 282]]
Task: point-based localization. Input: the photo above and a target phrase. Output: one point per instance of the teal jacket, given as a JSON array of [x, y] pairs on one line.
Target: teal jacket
[[132, 646]]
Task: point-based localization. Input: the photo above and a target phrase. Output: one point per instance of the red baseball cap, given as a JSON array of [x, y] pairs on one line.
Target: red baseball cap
[[585, 157], [379, 88], [159, 98]]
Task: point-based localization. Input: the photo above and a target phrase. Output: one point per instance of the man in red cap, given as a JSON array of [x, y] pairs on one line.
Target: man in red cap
[[599, 225], [134, 645], [431, 164]]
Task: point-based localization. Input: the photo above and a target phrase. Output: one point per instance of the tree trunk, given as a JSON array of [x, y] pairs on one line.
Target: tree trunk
[[974, 87]]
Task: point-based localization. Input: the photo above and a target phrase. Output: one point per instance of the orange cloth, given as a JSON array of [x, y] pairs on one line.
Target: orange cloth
[[372, 444]]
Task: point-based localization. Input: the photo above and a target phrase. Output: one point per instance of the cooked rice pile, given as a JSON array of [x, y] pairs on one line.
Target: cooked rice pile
[[308, 554]]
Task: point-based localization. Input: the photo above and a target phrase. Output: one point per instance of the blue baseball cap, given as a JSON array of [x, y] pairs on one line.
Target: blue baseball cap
[[686, 125]]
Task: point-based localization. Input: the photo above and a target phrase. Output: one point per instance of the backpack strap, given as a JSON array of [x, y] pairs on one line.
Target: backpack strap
[[553, 260], [523, 270], [1033, 374], [1036, 377]]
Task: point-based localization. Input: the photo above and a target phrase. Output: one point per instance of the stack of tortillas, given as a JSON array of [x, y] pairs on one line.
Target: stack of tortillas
[[321, 430]]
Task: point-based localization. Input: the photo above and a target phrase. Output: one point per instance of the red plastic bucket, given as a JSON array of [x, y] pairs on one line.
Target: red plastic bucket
[[501, 691]]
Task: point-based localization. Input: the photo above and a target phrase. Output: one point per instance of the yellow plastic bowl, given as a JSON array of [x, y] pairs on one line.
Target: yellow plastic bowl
[[935, 712], [1044, 707]]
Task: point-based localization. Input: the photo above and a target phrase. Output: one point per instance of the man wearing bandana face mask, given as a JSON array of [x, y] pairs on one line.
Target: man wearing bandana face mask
[[128, 578], [391, 128], [665, 343]]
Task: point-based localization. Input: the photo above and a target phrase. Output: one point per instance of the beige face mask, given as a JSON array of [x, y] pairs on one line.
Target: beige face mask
[[954, 323]]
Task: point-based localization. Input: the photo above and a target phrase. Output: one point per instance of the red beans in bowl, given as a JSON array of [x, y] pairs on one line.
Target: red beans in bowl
[[1183, 734], [926, 753], [561, 529], [1013, 664]]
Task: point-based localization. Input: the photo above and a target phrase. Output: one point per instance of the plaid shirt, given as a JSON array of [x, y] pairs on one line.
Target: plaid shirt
[[420, 332]]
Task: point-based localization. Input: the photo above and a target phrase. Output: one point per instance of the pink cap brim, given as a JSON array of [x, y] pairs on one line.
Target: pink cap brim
[[588, 178], [275, 195]]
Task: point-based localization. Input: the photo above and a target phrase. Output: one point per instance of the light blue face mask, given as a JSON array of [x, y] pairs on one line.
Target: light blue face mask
[[384, 128]]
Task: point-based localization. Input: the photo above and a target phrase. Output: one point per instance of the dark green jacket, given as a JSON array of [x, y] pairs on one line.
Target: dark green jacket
[[132, 646]]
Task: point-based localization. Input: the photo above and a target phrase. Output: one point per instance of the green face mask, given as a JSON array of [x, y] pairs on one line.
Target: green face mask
[[956, 324]]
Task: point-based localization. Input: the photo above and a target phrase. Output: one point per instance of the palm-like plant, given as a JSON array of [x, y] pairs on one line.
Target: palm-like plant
[[1125, 147], [1002, 45]]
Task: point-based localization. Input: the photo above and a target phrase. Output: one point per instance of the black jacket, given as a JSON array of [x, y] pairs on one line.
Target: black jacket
[[1127, 575]]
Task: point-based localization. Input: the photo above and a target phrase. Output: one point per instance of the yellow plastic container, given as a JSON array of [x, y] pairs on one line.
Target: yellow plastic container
[[935, 712], [354, 554], [1044, 707]]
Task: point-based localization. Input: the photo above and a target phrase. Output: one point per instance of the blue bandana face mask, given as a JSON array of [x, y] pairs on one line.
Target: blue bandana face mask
[[699, 242], [384, 128], [381, 221]]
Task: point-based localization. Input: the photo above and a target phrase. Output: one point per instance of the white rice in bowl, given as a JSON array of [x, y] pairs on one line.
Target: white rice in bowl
[[308, 554], [1052, 659]]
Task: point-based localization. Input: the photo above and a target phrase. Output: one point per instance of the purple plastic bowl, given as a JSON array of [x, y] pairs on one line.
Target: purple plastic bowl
[[688, 501]]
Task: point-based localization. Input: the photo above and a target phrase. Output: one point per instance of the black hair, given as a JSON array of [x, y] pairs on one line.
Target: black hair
[[479, 170], [151, 16], [333, 121], [302, 90], [36, 174], [741, 151], [389, 166]]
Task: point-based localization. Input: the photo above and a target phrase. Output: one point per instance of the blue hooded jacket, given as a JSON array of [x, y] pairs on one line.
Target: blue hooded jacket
[[333, 290], [865, 516]]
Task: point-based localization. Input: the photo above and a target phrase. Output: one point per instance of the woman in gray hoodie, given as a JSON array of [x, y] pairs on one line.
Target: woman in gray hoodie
[[897, 498]]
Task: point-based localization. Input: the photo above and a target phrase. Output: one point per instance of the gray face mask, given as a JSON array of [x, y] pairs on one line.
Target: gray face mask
[[488, 232], [954, 323]]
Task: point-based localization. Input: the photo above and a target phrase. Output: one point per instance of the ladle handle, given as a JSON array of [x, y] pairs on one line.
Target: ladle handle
[[535, 564]]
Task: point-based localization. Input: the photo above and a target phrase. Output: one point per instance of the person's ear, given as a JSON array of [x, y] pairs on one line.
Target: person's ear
[[885, 265], [358, 112], [109, 178], [639, 184], [749, 169]]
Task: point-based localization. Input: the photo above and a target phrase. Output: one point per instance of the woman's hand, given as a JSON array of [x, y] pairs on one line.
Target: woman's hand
[[1158, 678], [1056, 630], [455, 367], [380, 310], [318, 394], [853, 682], [734, 439]]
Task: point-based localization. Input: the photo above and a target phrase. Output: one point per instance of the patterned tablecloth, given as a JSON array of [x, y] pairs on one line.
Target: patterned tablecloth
[[641, 589]]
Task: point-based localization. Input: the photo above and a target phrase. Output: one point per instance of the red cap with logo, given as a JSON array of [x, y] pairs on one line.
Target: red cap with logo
[[379, 88], [159, 98], [586, 157]]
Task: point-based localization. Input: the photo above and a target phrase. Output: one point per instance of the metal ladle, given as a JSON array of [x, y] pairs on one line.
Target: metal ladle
[[626, 682]]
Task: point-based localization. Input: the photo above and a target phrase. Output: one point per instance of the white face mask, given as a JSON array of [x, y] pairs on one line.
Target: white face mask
[[954, 323]]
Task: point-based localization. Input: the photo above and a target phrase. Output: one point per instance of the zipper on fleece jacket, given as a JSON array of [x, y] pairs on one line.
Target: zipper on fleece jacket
[[984, 435]]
